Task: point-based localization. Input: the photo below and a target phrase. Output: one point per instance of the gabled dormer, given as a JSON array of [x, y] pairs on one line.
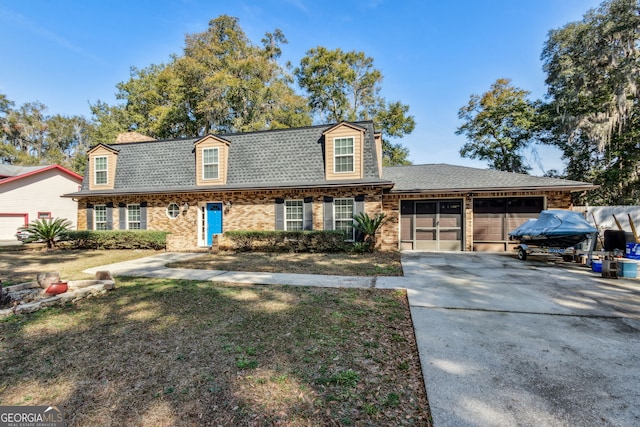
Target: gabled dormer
[[212, 154], [344, 151], [102, 167]]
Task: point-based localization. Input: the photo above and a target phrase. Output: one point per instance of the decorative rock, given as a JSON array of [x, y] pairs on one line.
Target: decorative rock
[[103, 275], [46, 279], [49, 302], [27, 308]]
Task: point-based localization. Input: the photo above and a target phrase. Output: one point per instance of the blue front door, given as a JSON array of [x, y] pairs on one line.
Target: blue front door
[[214, 220]]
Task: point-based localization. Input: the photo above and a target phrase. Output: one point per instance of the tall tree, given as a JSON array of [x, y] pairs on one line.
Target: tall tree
[[221, 83], [499, 125], [31, 137], [593, 80], [346, 86]]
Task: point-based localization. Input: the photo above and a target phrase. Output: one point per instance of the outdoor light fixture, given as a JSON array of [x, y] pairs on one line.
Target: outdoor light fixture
[[185, 208]]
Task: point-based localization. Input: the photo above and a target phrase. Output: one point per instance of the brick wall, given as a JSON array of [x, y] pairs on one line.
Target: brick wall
[[242, 210], [255, 210]]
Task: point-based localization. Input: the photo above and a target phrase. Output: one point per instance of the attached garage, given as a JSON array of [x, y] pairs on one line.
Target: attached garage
[[494, 218], [431, 225], [441, 207], [9, 224]]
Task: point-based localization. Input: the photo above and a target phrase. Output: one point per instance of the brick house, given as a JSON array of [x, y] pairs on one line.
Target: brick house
[[312, 178]]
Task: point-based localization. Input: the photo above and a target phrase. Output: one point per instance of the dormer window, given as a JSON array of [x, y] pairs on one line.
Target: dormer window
[[100, 168], [210, 163], [343, 151]]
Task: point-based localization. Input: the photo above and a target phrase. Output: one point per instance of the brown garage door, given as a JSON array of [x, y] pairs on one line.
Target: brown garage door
[[433, 225], [494, 218]]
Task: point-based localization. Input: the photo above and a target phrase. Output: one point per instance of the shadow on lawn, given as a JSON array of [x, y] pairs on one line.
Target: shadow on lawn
[[158, 352]]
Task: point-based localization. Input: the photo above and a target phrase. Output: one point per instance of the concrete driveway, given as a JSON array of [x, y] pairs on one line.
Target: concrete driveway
[[504, 342]]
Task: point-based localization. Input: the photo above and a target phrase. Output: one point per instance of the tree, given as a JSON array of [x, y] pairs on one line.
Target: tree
[[31, 137], [593, 81], [221, 83], [499, 125], [346, 86]]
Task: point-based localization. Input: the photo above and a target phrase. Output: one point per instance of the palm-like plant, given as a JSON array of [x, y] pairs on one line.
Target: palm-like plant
[[369, 226], [46, 230]]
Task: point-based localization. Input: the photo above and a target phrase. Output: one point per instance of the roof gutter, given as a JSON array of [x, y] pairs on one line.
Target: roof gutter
[[571, 188]]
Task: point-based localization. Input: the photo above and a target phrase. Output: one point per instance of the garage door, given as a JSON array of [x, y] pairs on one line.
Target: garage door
[[494, 218], [9, 225], [432, 225]]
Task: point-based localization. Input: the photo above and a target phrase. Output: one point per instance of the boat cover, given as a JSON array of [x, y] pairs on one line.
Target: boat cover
[[554, 223]]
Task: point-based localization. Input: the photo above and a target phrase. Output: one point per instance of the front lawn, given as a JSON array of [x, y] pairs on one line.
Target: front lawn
[[182, 353], [342, 264], [22, 264]]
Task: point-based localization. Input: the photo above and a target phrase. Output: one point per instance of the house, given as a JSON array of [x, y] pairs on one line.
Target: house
[[34, 192], [311, 178]]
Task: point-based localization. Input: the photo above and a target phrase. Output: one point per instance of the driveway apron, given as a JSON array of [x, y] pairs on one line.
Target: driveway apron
[[504, 342]]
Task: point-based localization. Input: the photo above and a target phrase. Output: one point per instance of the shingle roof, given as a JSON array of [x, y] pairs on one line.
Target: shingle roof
[[12, 170], [443, 177], [275, 158]]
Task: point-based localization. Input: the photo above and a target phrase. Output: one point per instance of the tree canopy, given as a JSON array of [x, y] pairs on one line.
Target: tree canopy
[[222, 82], [346, 86], [592, 111], [30, 137], [499, 124]]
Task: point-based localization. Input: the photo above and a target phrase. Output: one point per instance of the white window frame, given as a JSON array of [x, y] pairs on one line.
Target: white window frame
[[96, 171], [337, 155], [130, 210], [341, 220], [287, 217], [216, 162], [168, 210], [98, 221]]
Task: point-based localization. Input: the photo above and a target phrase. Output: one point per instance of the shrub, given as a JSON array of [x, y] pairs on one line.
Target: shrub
[[117, 239], [369, 226], [287, 241], [47, 230]]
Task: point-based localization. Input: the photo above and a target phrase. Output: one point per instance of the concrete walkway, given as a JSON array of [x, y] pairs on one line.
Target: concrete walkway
[[502, 342]]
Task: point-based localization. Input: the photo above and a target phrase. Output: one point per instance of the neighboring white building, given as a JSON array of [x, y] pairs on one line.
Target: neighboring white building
[[33, 192]]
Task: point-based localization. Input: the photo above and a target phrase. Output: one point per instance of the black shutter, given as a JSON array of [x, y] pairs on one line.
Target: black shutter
[[143, 215], [110, 216], [279, 214], [89, 216], [328, 213], [308, 214], [122, 216], [358, 208]]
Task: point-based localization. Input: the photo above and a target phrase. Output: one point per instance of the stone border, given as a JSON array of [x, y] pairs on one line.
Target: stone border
[[78, 289]]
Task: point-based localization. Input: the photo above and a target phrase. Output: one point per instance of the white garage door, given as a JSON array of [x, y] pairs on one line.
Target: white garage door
[[9, 225]]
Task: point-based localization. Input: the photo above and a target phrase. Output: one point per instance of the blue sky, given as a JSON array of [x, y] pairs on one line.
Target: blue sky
[[433, 54]]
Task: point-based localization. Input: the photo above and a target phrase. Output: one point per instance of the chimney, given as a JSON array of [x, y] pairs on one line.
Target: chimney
[[377, 138], [132, 137]]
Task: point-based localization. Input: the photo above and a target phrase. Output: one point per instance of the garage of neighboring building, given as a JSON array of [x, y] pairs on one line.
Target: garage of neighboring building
[[493, 218], [9, 223]]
